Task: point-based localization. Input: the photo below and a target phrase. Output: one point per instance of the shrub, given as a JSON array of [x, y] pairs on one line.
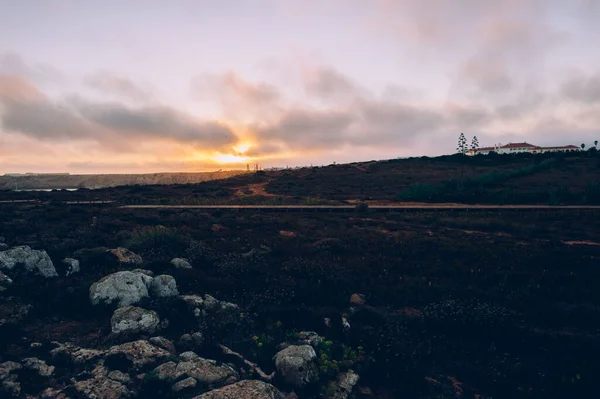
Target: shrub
[[158, 242]]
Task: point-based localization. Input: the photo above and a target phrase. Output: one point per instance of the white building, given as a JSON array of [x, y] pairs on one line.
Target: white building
[[515, 148]]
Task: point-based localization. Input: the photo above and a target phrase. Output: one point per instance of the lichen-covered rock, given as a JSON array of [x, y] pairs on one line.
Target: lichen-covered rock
[[38, 366], [27, 260], [295, 364], [74, 354], [206, 372], [71, 266], [136, 355], [342, 387], [126, 256], [121, 289], [9, 383], [101, 386], [164, 343], [181, 263], [184, 384], [163, 286], [309, 338], [247, 389], [5, 281], [357, 299], [131, 320]]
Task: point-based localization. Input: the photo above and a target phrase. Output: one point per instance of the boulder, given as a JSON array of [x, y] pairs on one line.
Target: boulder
[[137, 355], [207, 373], [27, 260], [188, 383], [247, 389], [121, 289], [164, 343], [126, 256], [5, 281], [71, 266], [74, 354], [101, 385], [295, 364], [131, 320], [9, 383], [38, 366], [181, 263], [357, 299], [342, 387], [163, 286]]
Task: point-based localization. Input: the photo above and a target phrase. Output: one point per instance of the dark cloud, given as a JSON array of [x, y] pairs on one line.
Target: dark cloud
[[118, 85], [583, 89], [27, 111], [328, 83]]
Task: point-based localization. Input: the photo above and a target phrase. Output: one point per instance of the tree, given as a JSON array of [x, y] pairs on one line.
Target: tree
[[462, 144], [583, 146], [474, 143], [595, 143]]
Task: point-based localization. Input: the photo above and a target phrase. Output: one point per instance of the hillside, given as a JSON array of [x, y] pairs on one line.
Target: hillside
[[108, 180]]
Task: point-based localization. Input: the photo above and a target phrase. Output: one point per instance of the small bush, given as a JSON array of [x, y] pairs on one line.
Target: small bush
[[158, 242]]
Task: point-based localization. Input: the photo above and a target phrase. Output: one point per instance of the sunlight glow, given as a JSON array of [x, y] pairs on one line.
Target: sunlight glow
[[242, 147], [229, 158]]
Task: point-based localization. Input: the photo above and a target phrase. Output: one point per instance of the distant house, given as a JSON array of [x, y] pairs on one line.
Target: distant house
[[515, 148]]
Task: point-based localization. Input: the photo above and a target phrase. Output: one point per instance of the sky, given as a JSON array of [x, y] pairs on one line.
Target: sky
[[144, 86]]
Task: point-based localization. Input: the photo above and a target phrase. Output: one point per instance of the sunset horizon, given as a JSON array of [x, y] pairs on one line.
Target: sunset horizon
[[194, 86]]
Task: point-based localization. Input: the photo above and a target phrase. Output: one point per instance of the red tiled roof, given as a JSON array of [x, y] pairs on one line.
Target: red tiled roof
[[519, 145], [486, 149], [559, 147]]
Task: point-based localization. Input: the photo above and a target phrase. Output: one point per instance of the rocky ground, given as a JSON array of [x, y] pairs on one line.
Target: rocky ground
[[97, 302]]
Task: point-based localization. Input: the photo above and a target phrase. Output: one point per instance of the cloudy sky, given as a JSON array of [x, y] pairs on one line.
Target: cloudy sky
[[194, 85]]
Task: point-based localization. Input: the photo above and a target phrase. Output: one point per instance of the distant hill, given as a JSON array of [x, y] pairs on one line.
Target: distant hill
[[108, 180]]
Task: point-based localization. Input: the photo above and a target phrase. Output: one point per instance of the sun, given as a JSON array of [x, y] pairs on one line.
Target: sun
[[230, 158]]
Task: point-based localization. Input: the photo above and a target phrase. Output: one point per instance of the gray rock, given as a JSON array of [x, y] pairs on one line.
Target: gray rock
[[72, 266], [209, 308], [247, 389], [39, 366], [142, 354], [342, 387], [163, 286], [147, 272], [117, 375], [164, 343], [3, 246], [30, 260], [100, 386], [309, 338], [132, 320], [5, 281], [126, 256], [205, 371], [121, 289], [181, 263], [296, 365], [9, 379], [75, 354], [187, 383]]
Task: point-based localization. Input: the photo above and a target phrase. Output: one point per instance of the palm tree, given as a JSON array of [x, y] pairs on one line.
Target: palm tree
[[583, 146], [595, 143]]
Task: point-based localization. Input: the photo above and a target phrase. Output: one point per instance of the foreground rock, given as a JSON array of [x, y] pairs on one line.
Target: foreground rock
[[9, 383], [181, 263], [23, 259], [121, 288], [71, 266], [102, 385], [247, 389], [131, 320], [38, 366], [72, 354], [126, 256], [5, 282], [295, 364], [342, 387], [137, 355], [205, 372], [128, 288]]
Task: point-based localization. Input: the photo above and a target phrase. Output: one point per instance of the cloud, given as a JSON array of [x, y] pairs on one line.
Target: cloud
[[582, 88], [117, 85], [12, 63], [328, 83], [26, 110]]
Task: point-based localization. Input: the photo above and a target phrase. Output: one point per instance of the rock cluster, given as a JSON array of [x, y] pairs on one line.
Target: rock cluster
[[23, 259]]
